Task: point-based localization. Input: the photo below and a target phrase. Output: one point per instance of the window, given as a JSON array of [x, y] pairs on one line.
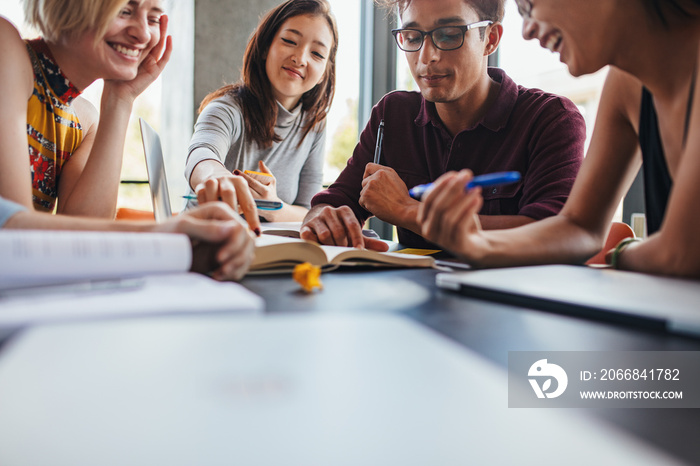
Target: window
[[342, 121], [530, 65]]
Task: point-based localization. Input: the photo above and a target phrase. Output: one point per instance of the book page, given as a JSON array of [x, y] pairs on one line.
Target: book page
[[41, 257], [273, 252], [278, 253], [342, 255], [287, 229], [269, 240]]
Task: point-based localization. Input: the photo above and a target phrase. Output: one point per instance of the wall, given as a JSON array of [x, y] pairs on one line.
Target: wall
[[222, 30], [209, 38], [177, 105]]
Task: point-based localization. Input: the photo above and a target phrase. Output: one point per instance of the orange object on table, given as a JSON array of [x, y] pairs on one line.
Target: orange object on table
[[308, 276]]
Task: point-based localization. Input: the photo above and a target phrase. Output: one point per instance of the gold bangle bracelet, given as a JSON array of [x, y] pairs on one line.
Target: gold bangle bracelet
[[615, 258]]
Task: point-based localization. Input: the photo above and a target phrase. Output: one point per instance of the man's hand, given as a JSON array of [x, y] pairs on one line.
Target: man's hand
[[337, 226], [386, 196]]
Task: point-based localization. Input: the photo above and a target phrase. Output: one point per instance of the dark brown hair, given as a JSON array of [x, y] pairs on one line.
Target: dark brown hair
[[254, 90], [492, 10], [665, 10]]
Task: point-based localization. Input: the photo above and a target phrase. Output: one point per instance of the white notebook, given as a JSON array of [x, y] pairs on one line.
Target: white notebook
[[177, 293], [282, 390]]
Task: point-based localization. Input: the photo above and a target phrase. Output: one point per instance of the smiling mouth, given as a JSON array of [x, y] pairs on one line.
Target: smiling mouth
[[126, 51], [553, 43], [291, 71]]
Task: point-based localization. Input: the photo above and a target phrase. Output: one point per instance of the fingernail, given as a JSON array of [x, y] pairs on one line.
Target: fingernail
[[236, 172], [257, 232]]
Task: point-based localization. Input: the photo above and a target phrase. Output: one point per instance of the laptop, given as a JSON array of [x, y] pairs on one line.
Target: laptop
[[303, 389], [665, 303], [153, 150]]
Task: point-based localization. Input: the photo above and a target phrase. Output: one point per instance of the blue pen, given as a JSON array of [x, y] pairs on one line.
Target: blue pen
[[259, 203], [491, 179]]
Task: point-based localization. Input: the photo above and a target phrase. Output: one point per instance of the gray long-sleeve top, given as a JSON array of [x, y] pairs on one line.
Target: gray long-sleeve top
[[219, 134]]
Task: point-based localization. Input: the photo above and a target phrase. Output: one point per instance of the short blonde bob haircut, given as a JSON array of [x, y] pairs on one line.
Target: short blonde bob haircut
[[71, 18]]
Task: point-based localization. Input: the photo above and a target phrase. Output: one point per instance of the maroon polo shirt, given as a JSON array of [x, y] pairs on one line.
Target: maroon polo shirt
[[540, 135]]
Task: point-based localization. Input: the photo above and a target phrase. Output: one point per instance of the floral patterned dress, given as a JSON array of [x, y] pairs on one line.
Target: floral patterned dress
[[53, 129]]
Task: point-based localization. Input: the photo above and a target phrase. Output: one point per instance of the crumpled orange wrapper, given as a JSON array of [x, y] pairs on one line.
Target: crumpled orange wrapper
[[308, 276]]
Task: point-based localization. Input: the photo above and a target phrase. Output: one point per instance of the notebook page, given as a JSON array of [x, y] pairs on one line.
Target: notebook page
[[42, 257]]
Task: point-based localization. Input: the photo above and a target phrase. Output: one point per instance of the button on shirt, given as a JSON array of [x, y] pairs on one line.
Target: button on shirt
[[540, 135]]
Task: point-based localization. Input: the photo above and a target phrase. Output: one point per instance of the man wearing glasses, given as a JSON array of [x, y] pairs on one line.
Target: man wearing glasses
[[466, 115]]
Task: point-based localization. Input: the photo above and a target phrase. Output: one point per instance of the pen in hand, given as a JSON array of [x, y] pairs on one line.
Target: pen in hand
[[491, 179], [378, 146]]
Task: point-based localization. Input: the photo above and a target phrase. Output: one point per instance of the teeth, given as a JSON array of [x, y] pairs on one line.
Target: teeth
[[126, 51], [552, 42]]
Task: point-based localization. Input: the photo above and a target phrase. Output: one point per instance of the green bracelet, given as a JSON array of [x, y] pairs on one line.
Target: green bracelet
[[615, 258]]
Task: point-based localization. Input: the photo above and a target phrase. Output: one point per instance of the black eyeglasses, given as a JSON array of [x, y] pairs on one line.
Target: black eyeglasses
[[524, 8], [444, 38]]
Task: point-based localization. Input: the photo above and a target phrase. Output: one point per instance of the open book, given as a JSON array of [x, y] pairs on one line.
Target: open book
[[48, 276], [275, 254], [44, 257], [288, 229]]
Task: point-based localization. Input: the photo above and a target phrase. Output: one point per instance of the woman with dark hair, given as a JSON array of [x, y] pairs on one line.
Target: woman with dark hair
[[273, 119], [649, 116]]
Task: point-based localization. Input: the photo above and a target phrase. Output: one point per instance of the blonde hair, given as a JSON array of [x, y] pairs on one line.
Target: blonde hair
[[58, 18]]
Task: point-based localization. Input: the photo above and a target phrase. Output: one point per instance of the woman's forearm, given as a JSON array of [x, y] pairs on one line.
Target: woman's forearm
[[92, 190], [208, 168]]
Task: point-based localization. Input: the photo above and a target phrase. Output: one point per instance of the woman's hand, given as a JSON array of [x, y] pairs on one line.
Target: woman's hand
[[268, 191], [260, 190], [232, 190], [448, 214]]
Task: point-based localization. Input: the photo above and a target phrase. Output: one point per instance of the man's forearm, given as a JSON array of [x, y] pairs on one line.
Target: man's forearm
[[406, 218]]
